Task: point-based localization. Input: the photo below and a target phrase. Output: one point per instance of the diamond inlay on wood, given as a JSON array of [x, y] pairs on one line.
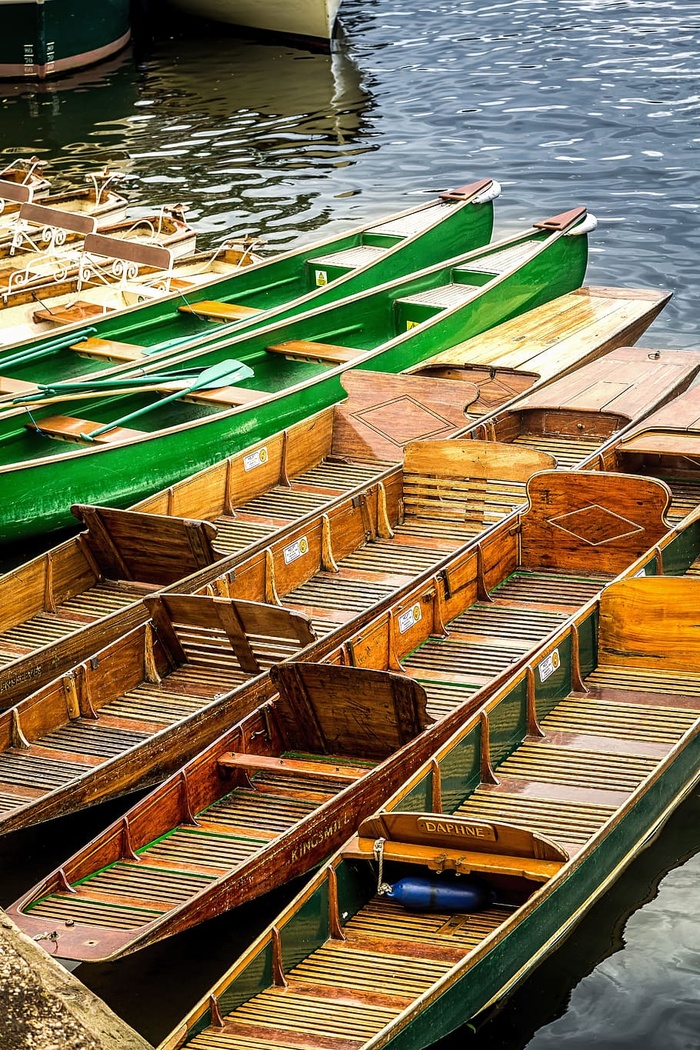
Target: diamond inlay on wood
[[595, 525]]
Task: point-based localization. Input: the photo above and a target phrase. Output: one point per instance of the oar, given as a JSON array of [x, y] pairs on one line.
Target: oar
[[130, 384], [221, 374], [34, 353]]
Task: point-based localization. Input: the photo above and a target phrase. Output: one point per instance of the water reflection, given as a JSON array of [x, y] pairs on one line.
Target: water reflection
[[231, 131]]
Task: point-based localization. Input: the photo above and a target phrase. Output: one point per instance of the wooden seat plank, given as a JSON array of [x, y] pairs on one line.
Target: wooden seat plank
[[304, 350], [70, 428], [267, 763], [78, 311], [217, 311], [108, 349]]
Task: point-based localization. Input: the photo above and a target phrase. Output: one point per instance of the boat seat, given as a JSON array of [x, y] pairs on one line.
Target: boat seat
[[15, 386], [215, 311], [108, 350], [70, 428], [223, 395], [303, 350], [78, 311], [461, 860], [270, 764]]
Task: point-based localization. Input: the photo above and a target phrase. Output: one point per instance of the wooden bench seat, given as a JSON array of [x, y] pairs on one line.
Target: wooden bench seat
[[462, 860], [70, 428], [78, 311], [216, 311], [15, 386], [269, 764], [108, 350], [222, 395], [303, 350]]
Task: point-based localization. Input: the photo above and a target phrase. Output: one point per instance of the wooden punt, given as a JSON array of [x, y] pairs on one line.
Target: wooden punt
[[288, 487], [125, 715], [667, 446], [573, 418], [542, 799], [262, 790], [290, 282], [297, 371], [559, 338]]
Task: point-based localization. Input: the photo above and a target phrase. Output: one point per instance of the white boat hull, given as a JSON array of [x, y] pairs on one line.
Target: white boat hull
[[304, 18]]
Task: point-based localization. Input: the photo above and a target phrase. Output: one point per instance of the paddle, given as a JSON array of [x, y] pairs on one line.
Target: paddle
[[130, 384], [34, 353], [222, 374]]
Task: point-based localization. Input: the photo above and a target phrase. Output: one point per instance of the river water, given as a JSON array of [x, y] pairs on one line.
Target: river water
[[565, 103]]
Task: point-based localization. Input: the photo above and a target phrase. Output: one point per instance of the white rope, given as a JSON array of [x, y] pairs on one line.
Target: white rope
[[382, 887]]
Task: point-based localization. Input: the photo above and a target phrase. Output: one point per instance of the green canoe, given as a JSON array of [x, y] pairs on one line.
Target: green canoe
[[82, 445], [290, 283]]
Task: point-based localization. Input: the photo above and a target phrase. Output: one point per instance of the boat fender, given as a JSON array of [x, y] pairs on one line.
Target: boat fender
[[436, 894], [586, 225], [489, 194]]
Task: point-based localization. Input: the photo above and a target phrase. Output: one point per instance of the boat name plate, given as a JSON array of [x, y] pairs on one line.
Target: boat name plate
[[295, 550], [255, 459], [409, 618], [549, 665], [449, 827]]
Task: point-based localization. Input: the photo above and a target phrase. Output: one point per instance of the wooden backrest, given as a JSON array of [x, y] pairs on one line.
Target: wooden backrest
[[384, 412], [151, 255], [651, 622], [148, 548], [246, 626], [475, 459], [15, 191], [347, 710], [590, 521], [454, 832], [74, 222]]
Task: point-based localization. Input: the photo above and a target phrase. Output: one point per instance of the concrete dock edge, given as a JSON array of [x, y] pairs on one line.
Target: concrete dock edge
[[44, 1007]]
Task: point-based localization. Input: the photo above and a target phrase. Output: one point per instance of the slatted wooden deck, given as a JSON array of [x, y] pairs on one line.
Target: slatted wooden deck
[[176, 866], [347, 991], [568, 451], [596, 751], [310, 491], [47, 626], [686, 497], [489, 637]]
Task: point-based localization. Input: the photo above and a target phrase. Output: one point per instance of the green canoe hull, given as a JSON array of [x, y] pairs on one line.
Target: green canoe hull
[[38, 492], [548, 924], [280, 287]]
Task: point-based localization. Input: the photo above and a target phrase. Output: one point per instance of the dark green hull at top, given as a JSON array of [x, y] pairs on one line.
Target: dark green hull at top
[[387, 330], [44, 39]]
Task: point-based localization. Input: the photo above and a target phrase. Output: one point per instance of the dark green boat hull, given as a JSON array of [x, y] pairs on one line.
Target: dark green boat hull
[[41, 40]]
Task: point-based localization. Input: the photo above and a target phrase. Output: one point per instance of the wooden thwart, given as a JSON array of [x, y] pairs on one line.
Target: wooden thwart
[[216, 311], [70, 428], [316, 770], [108, 349], [303, 350], [78, 311]]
